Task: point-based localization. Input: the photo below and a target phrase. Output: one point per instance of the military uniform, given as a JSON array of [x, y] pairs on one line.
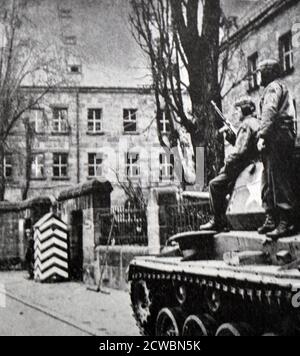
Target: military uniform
[[277, 129], [245, 152], [279, 134]]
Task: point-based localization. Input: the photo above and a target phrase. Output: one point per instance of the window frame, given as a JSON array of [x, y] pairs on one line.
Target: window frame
[[166, 165], [70, 40], [252, 72], [34, 120], [130, 119], [163, 124], [60, 126], [94, 121], [96, 167], [130, 166], [70, 66], [35, 162], [283, 54], [60, 165], [7, 166], [65, 13]]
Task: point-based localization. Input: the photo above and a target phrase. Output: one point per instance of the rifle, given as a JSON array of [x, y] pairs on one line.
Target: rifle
[[231, 132]]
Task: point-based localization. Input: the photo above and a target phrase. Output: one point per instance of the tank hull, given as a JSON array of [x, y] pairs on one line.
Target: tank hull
[[260, 297]]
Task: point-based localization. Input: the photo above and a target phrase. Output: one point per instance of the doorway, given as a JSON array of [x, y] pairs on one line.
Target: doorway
[[76, 246]]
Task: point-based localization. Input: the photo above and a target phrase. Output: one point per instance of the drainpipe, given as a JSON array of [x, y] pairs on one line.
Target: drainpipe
[[78, 135]]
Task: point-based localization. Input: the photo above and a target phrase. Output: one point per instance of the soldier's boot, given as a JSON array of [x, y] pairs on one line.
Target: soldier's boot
[[215, 224], [268, 226], [284, 229]]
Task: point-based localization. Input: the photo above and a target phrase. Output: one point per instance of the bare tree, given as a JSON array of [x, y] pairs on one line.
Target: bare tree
[[133, 191], [182, 41], [24, 61], [29, 139]]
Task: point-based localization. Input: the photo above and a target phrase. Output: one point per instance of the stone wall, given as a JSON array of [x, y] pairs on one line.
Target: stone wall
[[14, 220]]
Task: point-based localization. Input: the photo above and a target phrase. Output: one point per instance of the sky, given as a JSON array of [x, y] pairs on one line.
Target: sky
[[116, 59], [110, 55]]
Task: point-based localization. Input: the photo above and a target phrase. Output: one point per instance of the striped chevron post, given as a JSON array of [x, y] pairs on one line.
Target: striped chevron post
[[50, 249]]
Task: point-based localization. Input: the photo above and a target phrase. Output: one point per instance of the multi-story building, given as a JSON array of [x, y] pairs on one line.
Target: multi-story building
[[101, 123], [270, 29]]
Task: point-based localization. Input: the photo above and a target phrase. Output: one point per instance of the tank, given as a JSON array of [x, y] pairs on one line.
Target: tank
[[236, 283]]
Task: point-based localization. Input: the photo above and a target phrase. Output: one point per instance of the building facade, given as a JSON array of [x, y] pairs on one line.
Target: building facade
[[86, 133], [101, 122], [270, 29]]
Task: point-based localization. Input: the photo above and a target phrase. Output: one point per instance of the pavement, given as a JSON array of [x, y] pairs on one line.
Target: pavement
[[69, 308]]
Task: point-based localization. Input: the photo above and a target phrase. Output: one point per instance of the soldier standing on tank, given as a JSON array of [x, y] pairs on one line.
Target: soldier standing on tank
[[277, 137], [245, 152]]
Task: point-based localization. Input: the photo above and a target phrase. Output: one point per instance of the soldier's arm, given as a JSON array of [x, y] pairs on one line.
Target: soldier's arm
[[230, 138], [270, 109], [241, 146]]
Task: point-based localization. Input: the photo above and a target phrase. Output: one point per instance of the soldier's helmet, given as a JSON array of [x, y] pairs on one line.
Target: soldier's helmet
[[246, 104], [270, 68]]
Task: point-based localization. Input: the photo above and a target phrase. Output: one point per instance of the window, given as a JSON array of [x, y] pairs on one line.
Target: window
[[94, 120], [38, 166], [70, 40], [74, 68], [132, 165], [60, 165], [164, 125], [37, 120], [286, 52], [60, 120], [252, 68], [7, 165], [95, 162], [130, 120], [166, 167], [65, 13]]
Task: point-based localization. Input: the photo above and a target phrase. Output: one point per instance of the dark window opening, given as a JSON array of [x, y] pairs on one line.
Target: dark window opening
[[252, 72], [132, 165], [74, 68], [60, 165], [130, 120], [286, 53], [8, 166], [94, 120], [166, 167], [95, 162]]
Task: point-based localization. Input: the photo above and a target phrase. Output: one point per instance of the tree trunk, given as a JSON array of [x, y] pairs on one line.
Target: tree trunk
[[204, 87], [28, 158], [2, 176]]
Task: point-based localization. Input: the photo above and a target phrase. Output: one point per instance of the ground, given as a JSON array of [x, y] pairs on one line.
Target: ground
[[62, 309]]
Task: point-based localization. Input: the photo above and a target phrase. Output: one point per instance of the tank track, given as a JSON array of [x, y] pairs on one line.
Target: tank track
[[265, 308]]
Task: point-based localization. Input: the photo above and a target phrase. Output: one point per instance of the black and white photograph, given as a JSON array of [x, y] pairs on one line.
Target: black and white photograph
[[149, 170]]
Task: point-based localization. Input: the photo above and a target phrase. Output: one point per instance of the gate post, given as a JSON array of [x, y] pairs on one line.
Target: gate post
[[156, 215], [153, 224]]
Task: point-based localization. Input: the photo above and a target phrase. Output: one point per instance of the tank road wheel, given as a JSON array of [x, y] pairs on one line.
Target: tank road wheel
[[239, 329], [213, 301], [169, 322], [180, 294], [199, 326], [141, 305]]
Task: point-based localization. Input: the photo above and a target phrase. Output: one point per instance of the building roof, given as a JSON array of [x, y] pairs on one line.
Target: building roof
[[256, 16], [255, 11]]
